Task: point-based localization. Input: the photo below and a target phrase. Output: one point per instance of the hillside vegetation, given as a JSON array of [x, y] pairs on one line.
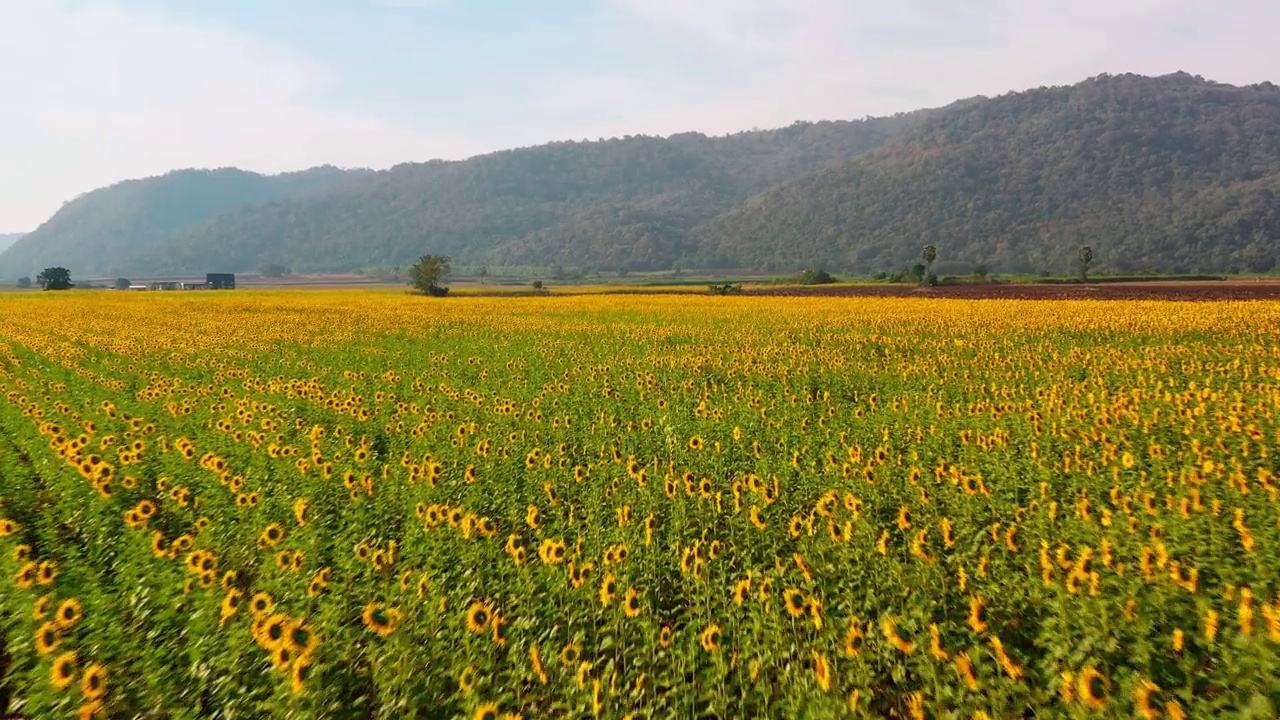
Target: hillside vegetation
[[621, 203], [114, 230], [1170, 174]]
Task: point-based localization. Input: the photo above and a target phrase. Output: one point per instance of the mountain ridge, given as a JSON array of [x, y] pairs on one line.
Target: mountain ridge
[[1170, 173]]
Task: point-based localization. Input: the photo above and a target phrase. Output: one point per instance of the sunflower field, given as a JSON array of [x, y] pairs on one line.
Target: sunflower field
[[360, 504]]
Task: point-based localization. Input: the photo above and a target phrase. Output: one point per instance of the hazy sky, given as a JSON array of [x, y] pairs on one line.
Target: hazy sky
[[92, 92]]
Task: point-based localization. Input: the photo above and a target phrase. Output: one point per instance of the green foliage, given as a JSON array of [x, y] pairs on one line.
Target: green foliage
[[24, 282], [1084, 257], [815, 276], [122, 283], [429, 273], [55, 278], [537, 284], [1171, 173], [132, 227], [273, 270], [725, 289], [622, 203], [929, 254]]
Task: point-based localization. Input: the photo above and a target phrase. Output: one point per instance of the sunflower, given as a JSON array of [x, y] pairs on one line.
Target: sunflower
[[300, 638], [964, 668], [536, 659], [380, 620], [821, 670], [282, 657], [298, 673], [300, 511], [1092, 687], [41, 607], [499, 629], [260, 604], [975, 614], [478, 617], [710, 638], [935, 643], [272, 633], [570, 654], [230, 605], [68, 614], [1012, 669], [631, 603], [94, 680], [665, 636], [90, 710], [48, 637], [890, 630], [486, 711], [272, 535], [63, 672], [467, 680], [1145, 701], [696, 443], [608, 589], [1210, 624], [46, 573], [794, 602]]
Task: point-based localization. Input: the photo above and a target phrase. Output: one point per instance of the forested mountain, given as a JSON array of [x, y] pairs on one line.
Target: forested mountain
[[105, 232], [627, 202], [7, 239], [1171, 173]]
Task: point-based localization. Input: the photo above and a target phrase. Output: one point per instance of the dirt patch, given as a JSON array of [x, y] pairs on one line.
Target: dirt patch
[[1156, 290]]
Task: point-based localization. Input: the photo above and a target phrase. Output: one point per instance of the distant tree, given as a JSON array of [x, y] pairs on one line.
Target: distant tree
[[122, 283], [273, 270], [24, 282], [484, 273], [929, 254], [55, 278], [429, 273], [815, 276], [981, 270], [537, 284], [1086, 257], [395, 273]]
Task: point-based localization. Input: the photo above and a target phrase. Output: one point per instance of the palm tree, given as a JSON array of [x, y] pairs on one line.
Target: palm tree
[[1086, 257], [929, 254]]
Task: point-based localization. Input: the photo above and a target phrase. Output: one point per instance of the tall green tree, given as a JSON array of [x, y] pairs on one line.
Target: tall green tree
[[55, 278], [24, 282], [429, 273]]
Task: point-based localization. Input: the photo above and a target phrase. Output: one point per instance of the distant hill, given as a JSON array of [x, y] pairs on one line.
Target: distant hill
[[106, 232], [621, 203], [7, 239], [1172, 173]]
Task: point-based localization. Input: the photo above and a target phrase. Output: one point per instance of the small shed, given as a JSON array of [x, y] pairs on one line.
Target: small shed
[[166, 285], [137, 287], [220, 281]]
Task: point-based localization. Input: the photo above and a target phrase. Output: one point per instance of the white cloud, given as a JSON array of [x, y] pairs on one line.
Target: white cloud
[[93, 94], [783, 60]]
